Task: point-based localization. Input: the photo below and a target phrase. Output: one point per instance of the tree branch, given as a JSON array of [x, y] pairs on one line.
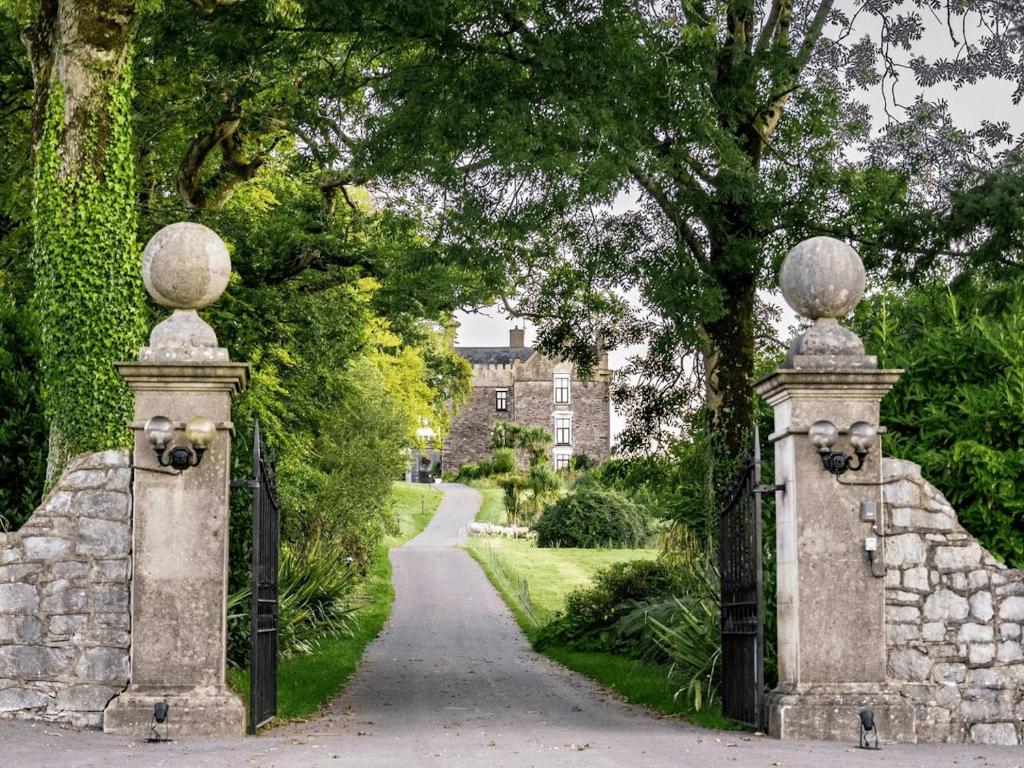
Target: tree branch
[[234, 169]]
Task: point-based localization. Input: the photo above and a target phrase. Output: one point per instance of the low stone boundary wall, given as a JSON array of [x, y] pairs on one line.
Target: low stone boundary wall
[[64, 581], [953, 618]]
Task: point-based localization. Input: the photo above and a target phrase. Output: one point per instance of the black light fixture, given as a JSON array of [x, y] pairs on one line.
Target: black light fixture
[[199, 433], [824, 434], [160, 712], [868, 729]]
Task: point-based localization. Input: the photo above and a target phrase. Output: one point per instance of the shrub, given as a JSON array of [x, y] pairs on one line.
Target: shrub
[[469, 471], [315, 601], [958, 410], [485, 468], [590, 612], [580, 462], [592, 517], [504, 461]]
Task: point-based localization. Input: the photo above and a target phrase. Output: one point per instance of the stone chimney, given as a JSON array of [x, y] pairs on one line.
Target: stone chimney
[[517, 338]]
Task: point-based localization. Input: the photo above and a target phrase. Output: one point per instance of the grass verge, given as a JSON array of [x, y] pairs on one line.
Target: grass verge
[[492, 507], [306, 683], [551, 574]]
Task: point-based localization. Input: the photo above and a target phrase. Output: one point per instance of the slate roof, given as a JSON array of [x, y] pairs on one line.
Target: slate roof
[[494, 355]]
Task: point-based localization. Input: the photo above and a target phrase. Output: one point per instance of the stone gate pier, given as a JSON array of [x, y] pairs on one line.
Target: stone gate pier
[[885, 602], [180, 531]]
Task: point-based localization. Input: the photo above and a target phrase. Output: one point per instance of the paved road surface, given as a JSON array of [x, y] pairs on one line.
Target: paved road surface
[[452, 682]]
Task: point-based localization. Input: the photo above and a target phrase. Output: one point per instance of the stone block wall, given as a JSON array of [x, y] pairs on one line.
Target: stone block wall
[[470, 437], [589, 406], [954, 619], [64, 581]]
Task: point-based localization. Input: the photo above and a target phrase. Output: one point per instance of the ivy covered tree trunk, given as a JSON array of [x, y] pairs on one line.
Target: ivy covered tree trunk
[[88, 293]]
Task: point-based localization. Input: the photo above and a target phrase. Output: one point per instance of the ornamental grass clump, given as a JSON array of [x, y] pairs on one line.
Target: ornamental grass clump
[[317, 585]]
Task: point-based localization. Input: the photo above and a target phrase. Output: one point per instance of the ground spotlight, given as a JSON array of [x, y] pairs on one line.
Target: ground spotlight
[[868, 730], [160, 712]]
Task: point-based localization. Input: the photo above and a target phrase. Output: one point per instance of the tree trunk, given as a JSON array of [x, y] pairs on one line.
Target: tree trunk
[[729, 370], [85, 257]]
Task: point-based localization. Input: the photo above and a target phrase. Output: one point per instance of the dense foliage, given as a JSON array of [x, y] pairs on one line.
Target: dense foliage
[[591, 516], [22, 427], [727, 126], [958, 410], [88, 285]]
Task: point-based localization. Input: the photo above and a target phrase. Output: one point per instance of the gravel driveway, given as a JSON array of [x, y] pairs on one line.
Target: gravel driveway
[[451, 681]]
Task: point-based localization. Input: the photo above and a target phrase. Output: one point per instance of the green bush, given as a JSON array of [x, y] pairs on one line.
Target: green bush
[[586, 622], [580, 462], [504, 461], [469, 471], [591, 517], [484, 468], [316, 585]]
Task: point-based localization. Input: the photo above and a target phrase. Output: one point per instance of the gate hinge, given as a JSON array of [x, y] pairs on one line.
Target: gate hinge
[[769, 488], [248, 483]]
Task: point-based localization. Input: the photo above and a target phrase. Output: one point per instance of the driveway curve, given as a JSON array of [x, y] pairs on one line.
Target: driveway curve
[[451, 681]]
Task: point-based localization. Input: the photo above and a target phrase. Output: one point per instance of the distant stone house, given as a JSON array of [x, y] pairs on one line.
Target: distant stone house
[[517, 383]]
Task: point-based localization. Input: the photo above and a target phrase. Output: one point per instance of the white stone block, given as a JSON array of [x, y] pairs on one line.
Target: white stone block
[[981, 653], [909, 664], [975, 633], [958, 558], [1012, 609], [1009, 651], [945, 604], [981, 606], [916, 579], [905, 549], [994, 733]]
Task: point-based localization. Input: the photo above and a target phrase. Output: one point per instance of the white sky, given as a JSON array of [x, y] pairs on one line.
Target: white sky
[[987, 100]]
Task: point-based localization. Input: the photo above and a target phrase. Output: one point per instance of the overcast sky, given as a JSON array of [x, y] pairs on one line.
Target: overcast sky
[[989, 100]]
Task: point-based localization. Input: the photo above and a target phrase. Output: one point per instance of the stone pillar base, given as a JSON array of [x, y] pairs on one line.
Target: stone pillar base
[[190, 713], [832, 713]]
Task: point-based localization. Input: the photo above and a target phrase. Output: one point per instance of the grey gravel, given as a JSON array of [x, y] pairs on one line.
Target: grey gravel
[[452, 682]]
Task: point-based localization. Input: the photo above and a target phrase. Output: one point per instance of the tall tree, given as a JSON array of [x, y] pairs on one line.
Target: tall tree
[[85, 260], [727, 121]]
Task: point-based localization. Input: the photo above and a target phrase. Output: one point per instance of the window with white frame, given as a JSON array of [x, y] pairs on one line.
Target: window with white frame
[[563, 430], [562, 461], [501, 399], [562, 388]]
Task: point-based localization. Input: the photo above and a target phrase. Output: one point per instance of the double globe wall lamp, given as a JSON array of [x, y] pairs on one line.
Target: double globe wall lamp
[[199, 433], [824, 434]]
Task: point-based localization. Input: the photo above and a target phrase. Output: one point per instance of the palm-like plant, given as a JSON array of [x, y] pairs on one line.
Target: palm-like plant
[[316, 585]]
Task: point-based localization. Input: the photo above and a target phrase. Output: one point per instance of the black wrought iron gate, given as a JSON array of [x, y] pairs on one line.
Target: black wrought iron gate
[[265, 555], [742, 594]]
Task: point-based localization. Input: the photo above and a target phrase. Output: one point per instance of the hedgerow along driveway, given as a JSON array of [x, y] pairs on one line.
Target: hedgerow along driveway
[[451, 681]]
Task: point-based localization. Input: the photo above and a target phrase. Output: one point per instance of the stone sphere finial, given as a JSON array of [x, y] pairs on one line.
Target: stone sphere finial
[[822, 278], [185, 266]]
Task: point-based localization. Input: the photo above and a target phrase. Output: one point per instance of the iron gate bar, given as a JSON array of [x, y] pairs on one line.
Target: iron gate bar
[[743, 595], [266, 535]]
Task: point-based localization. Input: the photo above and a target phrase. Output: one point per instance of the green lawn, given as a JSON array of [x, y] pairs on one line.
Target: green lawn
[[550, 574], [306, 683], [492, 507]]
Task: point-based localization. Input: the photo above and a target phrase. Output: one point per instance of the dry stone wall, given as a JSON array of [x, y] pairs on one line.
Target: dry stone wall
[[954, 618], [64, 580]]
